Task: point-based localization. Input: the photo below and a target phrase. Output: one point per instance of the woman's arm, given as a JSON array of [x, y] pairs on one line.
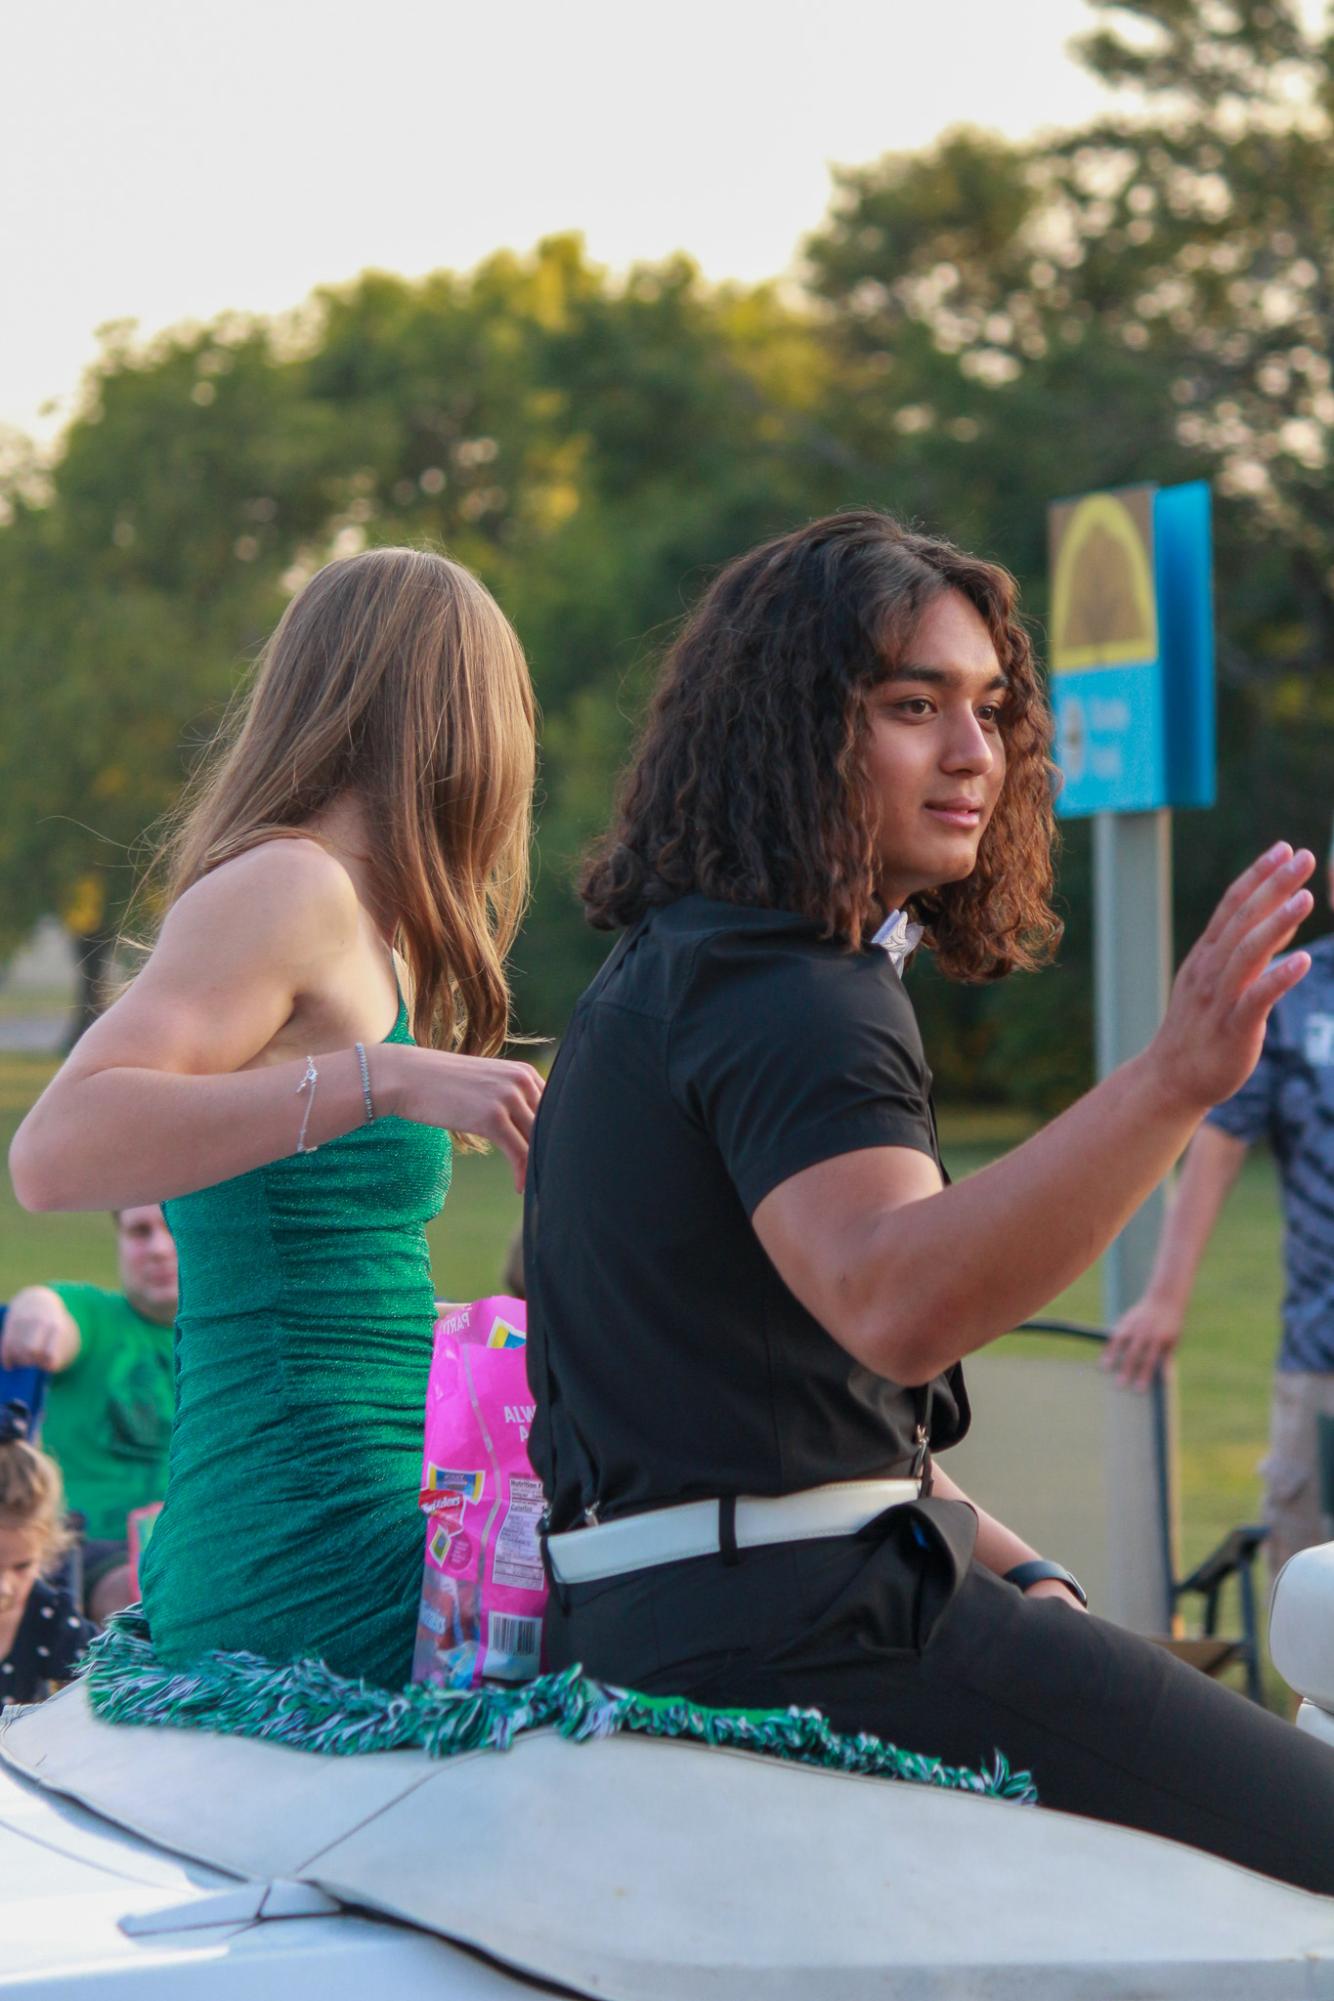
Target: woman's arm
[[170, 1090], [909, 1276]]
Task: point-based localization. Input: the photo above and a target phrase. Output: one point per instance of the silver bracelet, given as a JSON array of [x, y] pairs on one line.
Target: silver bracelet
[[309, 1083], [366, 1097]]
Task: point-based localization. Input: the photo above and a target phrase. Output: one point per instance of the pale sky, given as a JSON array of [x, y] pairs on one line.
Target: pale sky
[[162, 160]]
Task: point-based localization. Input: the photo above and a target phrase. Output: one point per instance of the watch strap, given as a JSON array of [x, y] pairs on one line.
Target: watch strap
[[1037, 1569]]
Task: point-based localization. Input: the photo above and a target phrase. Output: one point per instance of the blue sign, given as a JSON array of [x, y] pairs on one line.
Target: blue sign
[[1132, 653]]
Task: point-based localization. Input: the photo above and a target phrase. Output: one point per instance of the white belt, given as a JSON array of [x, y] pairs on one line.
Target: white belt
[[669, 1535]]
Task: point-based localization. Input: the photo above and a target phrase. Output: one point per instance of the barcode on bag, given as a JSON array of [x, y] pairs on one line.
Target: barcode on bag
[[513, 1646]]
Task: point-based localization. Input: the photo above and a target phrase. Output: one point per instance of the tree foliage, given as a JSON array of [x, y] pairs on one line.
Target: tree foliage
[[981, 327]]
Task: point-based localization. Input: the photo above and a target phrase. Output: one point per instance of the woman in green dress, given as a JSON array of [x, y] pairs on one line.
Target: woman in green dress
[[323, 1007]]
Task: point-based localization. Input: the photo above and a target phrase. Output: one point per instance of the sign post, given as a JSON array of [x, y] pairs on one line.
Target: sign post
[[1132, 683]]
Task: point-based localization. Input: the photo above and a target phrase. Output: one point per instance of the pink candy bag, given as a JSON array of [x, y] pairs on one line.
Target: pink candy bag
[[484, 1587]]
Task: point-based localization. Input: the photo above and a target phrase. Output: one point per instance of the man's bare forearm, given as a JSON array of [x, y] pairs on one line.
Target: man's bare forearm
[[1212, 1164], [953, 1271], [998, 1548]]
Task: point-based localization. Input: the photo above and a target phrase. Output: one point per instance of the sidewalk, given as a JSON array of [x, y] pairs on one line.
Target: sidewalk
[[39, 1034]]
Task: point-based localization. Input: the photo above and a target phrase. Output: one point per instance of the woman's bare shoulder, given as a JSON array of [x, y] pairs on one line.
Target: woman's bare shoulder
[[292, 887]]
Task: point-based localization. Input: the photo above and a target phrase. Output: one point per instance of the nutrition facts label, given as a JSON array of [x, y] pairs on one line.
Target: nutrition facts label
[[518, 1557]]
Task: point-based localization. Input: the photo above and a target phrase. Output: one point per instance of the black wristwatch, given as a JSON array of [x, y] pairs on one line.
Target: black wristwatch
[[1037, 1568]]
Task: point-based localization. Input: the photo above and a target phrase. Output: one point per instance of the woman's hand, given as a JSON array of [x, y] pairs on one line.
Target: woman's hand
[[1212, 1033], [484, 1095]]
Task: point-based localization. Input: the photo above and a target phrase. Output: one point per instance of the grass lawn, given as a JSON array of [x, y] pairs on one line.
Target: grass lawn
[[1223, 1378], [1227, 1353]]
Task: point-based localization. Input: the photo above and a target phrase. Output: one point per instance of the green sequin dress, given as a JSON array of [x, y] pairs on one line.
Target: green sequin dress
[[291, 1526]]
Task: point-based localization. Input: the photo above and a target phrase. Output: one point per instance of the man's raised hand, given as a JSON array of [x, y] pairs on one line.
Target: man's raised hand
[[1212, 1033]]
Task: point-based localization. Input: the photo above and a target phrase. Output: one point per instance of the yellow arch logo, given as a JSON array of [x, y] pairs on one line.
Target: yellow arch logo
[[1104, 609]]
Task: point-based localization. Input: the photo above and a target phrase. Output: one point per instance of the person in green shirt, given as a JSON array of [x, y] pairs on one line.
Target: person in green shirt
[[109, 1407]]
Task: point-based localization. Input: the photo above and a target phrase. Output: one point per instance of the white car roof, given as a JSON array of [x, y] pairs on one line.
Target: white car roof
[[646, 1870], [89, 1910]]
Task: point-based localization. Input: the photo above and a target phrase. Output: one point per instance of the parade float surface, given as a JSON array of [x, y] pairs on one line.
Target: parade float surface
[[172, 1861]]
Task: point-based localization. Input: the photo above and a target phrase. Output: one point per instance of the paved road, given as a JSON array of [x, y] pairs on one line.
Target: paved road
[[39, 1034]]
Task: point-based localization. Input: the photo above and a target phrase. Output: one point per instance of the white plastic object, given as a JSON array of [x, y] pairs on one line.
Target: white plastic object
[[1301, 1624], [1317, 1723]]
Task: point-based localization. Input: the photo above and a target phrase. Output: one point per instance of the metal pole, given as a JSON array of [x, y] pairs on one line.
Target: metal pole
[[1132, 854]]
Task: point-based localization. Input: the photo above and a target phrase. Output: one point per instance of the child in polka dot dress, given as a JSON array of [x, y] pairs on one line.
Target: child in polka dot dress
[[41, 1632]]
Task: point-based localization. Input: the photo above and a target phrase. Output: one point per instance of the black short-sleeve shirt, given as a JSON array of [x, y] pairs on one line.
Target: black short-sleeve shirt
[[721, 1050]]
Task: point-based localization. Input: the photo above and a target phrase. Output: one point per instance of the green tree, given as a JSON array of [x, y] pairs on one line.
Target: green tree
[[1145, 299], [135, 579], [592, 449], [589, 447], [986, 326]]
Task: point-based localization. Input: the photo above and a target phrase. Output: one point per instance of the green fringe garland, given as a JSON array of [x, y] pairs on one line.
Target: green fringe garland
[[309, 1708]]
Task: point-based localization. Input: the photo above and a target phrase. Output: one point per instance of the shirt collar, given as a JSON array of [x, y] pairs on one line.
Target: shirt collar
[[898, 936]]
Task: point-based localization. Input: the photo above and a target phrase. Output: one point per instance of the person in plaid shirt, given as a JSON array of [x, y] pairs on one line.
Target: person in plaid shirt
[[1288, 1101]]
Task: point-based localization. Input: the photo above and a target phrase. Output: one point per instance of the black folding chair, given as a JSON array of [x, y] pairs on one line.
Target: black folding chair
[[24, 1386], [1037, 1458]]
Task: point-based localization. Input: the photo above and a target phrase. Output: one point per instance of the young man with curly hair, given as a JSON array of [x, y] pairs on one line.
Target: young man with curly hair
[[749, 1283]]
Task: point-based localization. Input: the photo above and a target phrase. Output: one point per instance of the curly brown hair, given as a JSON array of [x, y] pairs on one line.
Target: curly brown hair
[[749, 783]]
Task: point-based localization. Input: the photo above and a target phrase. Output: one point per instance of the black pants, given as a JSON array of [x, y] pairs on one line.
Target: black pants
[[891, 1632]]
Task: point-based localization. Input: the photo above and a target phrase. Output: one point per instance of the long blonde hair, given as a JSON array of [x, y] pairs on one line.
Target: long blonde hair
[[32, 1495], [393, 675]]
